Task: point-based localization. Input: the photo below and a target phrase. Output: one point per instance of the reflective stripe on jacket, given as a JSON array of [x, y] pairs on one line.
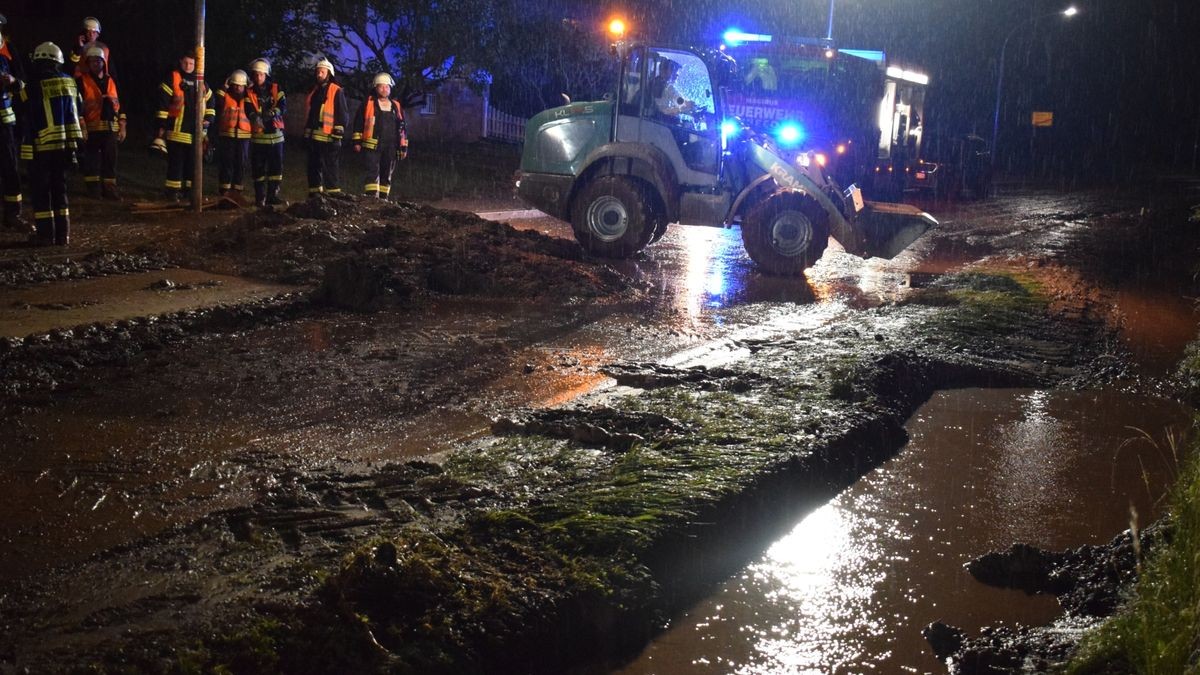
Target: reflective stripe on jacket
[[51, 107], [268, 108]]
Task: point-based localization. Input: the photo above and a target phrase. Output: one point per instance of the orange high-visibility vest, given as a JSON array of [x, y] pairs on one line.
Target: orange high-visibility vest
[[234, 122], [93, 104], [326, 107], [175, 109]]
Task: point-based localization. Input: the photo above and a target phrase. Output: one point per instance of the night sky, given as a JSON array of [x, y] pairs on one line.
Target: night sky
[[1122, 77]]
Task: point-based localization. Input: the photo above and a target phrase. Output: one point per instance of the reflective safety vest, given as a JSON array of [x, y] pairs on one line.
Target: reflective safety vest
[[367, 136], [94, 113], [177, 110], [326, 119], [53, 122], [267, 126], [233, 123]]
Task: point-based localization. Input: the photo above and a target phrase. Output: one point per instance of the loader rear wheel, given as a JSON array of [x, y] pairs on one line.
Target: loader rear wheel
[[786, 234], [612, 217], [660, 229]]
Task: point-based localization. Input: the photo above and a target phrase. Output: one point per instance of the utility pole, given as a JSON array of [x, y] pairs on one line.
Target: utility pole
[[198, 132]]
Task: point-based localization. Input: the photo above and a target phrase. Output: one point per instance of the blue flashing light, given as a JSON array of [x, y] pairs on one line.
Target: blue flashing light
[[789, 134], [868, 54], [734, 37], [730, 128]]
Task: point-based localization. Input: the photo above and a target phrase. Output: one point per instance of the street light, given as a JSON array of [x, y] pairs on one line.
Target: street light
[[1068, 13]]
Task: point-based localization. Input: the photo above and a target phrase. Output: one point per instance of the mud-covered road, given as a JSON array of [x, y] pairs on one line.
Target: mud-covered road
[[416, 434]]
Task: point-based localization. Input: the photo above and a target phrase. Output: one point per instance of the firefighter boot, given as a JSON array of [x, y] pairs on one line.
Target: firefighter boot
[[260, 193], [43, 235], [62, 230], [13, 219], [109, 191], [273, 197], [93, 189]]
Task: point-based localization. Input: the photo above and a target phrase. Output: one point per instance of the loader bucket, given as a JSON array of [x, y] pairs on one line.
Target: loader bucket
[[886, 229]]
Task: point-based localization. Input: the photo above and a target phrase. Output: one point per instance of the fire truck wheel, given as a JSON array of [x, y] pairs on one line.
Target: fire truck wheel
[[612, 217], [786, 234], [660, 228]]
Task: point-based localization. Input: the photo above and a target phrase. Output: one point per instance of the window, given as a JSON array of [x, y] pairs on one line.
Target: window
[[429, 107]]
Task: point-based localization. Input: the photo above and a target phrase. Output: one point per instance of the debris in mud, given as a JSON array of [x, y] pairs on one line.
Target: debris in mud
[[33, 270], [1089, 583], [411, 249], [656, 376], [599, 426]]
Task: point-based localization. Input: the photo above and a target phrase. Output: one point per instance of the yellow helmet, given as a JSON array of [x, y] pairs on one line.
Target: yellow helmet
[[237, 77]]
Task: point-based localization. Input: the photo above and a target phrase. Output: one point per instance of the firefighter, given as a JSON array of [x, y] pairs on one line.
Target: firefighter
[[105, 122], [379, 129], [325, 125], [89, 37], [50, 105], [11, 83], [233, 133], [177, 121], [267, 109]]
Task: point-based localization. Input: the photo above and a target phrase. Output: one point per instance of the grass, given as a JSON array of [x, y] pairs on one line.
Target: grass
[[1158, 632]]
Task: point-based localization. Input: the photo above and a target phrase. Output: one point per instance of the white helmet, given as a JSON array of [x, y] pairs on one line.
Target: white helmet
[[326, 64], [48, 51], [95, 51], [91, 23], [261, 66], [237, 77], [383, 78]]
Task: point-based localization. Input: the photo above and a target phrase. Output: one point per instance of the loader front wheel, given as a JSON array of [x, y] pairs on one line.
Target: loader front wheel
[[612, 217], [786, 234]]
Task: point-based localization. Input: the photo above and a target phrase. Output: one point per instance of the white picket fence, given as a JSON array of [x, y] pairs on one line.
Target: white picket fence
[[501, 126]]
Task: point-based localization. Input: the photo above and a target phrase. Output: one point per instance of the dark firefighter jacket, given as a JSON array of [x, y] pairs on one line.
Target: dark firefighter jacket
[[268, 107], [364, 125], [10, 66], [50, 108], [326, 116], [177, 106]]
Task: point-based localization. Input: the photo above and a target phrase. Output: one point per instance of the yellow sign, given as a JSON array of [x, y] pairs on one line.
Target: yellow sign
[[1043, 119]]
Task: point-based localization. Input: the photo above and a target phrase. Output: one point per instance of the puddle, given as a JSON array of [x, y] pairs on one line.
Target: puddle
[[44, 307], [850, 587]]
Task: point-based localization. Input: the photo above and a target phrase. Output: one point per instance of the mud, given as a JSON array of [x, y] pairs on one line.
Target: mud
[[365, 254], [1090, 583], [567, 537], [34, 270]]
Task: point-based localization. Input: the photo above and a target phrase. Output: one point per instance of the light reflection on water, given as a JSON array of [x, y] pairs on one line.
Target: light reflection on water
[[850, 587]]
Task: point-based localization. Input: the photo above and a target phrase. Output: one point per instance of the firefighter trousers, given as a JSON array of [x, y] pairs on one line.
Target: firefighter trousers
[[233, 155], [266, 162], [380, 165], [48, 191], [180, 163], [100, 157], [323, 160], [10, 178]]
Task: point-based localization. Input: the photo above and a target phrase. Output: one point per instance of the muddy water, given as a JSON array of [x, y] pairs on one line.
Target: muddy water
[[67, 304], [850, 587]]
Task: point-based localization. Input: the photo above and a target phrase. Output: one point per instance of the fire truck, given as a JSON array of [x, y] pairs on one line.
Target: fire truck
[[860, 113]]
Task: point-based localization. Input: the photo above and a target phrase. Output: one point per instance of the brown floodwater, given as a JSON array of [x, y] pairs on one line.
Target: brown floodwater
[[849, 588]]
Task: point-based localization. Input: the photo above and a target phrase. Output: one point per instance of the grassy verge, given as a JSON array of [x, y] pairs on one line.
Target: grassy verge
[[1159, 629]]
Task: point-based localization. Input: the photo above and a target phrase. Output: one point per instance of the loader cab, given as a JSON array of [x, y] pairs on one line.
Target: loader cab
[[668, 99]]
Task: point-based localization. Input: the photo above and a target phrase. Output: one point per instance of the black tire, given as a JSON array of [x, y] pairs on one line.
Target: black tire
[[786, 234], [612, 217]]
